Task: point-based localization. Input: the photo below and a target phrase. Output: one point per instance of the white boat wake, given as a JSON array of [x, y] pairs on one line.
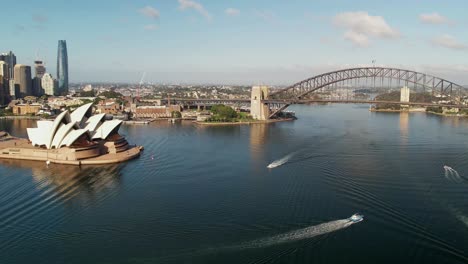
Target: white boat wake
[[300, 234], [281, 161], [452, 175]]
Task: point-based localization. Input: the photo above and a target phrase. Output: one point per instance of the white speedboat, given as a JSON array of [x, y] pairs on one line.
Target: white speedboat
[[356, 218]]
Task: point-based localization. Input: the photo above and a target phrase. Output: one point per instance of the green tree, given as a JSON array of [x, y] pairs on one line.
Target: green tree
[[223, 111], [176, 114], [87, 93], [111, 94]]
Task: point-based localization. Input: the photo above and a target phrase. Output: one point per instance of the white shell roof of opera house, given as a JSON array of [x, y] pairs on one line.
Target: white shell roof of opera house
[[67, 128]]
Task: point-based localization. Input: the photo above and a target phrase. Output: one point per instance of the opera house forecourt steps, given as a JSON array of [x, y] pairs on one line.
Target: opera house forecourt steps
[[77, 138]]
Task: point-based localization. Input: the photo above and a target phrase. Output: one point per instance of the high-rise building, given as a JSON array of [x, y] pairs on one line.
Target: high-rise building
[[3, 91], [23, 81], [39, 68], [49, 85], [3, 83], [62, 68], [4, 69], [10, 59], [37, 89]]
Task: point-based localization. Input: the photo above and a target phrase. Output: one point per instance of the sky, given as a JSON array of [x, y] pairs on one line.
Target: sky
[[237, 42]]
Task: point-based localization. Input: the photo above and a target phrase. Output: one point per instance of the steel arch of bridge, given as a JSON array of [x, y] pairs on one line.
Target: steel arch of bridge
[[298, 90]]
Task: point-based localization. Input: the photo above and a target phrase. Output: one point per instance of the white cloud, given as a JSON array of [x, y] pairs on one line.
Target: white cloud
[[357, 38], [361, 26], [448, 41], [150, 27], [232, 11], [433, 18], [190, 4], [150, 12]]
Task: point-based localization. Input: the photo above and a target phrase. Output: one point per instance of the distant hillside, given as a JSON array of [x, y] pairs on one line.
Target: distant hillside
[[395, 96]]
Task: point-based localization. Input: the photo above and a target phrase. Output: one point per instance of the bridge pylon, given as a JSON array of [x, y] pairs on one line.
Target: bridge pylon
[[258, 109], [404, 96]]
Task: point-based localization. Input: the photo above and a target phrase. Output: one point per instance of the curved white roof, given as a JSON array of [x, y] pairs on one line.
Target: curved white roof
[[39, 136], [93, 122], [72, 137], [106, 128], [36, 136], [61, 134], [67, 128], [64, 117], [45, 124], [79, 113]]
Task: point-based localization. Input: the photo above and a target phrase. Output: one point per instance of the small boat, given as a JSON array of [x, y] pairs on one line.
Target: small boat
[[356, 218]]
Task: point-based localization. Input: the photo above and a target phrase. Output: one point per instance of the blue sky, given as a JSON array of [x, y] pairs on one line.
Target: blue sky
[[244, 41]]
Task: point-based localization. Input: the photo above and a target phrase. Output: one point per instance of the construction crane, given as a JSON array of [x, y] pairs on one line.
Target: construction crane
[[141, 83]]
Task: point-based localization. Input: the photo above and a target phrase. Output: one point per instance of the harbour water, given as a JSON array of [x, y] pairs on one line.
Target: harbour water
[[205, 195]]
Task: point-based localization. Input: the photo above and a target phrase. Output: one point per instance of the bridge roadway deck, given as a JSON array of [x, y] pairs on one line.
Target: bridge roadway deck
[[309, 101]]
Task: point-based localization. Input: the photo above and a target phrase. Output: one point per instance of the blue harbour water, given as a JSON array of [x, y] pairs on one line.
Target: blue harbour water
[[205, 195]]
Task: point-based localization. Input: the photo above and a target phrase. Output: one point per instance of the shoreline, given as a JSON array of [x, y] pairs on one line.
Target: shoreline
[[21, 117], [416, 111], [243, 123], [14, 148]]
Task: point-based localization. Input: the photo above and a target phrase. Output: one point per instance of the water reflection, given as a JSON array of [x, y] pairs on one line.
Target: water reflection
[[16, 127], [258, 137], [67, 182], [404, 120]]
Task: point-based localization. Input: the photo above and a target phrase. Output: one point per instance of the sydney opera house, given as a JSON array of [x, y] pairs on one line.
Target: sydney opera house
[[72, 138]]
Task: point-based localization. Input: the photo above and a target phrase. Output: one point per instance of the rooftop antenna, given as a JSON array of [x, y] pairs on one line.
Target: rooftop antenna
[[139, 86]]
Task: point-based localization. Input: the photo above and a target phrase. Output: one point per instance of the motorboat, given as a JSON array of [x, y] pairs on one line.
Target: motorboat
[[356, 218]]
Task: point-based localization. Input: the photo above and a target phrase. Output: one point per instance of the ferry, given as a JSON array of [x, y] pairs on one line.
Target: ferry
[[356, 218]]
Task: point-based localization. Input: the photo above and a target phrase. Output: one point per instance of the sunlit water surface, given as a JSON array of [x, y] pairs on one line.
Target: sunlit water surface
[[205, 194]]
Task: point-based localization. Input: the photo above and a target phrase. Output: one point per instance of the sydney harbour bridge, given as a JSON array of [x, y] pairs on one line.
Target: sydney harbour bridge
[[347, 86]]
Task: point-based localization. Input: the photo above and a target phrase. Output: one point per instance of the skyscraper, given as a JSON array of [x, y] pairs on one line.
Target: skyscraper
[[4, 69], [48, 84], [3, 82], [3, 91], [62, 68], [39, 68], [23, 81], [10, 60]]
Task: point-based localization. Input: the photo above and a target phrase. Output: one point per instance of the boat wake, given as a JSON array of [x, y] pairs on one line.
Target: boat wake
[[300, 234], [452, 175], [281, 161]]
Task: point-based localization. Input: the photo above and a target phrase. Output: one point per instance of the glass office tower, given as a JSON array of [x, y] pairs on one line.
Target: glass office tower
[[62, 68]]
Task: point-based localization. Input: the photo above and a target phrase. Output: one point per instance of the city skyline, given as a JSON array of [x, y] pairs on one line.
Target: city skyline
[[272, 43]]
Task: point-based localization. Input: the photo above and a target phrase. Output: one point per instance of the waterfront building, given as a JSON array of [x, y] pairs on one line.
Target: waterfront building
[[26, 109], [39, 68], [10, 59], [48, 84], [72, 138], [108, 107], [23, 81], [62, 68], [155, 111]]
